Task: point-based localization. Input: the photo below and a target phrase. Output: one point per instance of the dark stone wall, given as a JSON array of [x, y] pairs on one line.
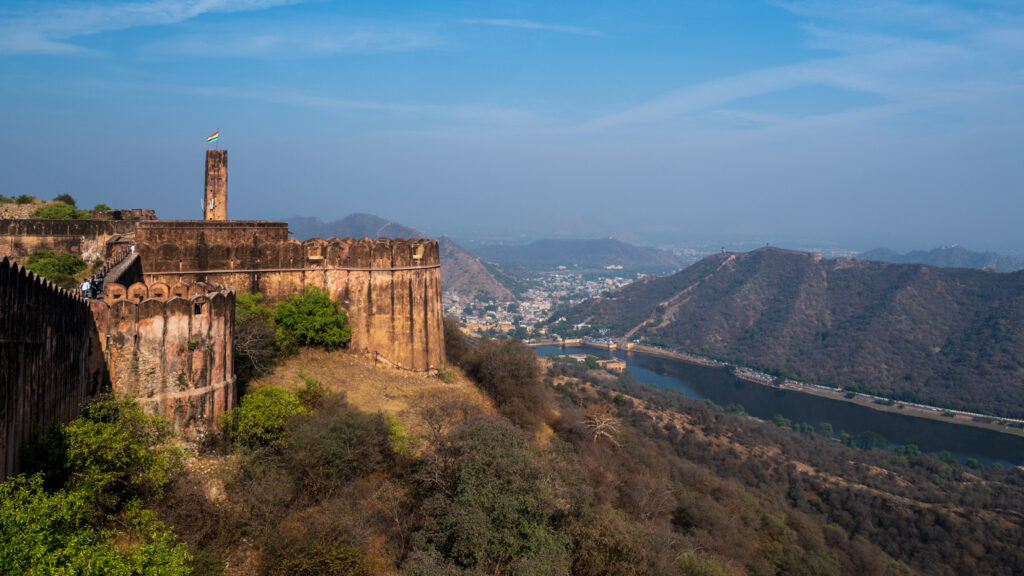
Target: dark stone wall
[[47, 338]]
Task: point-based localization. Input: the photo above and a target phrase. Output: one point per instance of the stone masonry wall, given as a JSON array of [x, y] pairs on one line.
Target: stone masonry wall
[[46, 338], [170, 347], [85, 238], [390, 288]]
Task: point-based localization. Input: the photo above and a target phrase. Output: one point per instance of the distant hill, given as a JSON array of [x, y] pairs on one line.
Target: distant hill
[[953, 337], [461, 272], [353, 225], [948, 257], [580, 255]]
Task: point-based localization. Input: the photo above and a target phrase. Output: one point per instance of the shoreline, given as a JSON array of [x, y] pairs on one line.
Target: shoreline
[[961, 417]]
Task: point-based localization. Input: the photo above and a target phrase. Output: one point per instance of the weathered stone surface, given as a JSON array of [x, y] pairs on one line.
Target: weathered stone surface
[[172, 355], [85, 238], [215, 201], [46, 334], [390, 288]]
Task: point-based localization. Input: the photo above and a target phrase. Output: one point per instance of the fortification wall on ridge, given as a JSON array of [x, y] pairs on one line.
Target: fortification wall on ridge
[[170, 347], [390, 288], [46, 371], [85, 238]]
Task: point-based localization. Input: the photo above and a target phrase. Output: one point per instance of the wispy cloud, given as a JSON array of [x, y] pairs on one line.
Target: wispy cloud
[[914, 56], [533, 25], [51, 30], [296, 40]]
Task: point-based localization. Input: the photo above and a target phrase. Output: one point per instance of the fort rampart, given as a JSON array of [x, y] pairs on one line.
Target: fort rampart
[[390, 288], [85, 238], [126, 271], [169, 346], [47, 337]]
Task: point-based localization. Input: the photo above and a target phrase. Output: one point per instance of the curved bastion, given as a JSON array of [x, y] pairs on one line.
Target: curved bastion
[[391, 288], [169, 347]]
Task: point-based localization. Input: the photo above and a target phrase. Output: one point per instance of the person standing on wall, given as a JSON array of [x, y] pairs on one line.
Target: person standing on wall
[[85, 288]]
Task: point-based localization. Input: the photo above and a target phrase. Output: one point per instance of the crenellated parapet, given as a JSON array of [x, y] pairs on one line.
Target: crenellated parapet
[[170, 347], [85, 238], [391, 288], [46, 369]]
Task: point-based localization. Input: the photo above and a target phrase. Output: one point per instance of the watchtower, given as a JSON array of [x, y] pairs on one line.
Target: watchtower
[[215, 200]]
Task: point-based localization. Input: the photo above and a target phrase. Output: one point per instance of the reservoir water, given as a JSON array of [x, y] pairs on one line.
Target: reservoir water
[[722, 388]]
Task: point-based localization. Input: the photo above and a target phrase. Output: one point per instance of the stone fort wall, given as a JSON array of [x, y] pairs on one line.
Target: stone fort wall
[[85, 238], [390, 288], [169, 346], [47, 341]]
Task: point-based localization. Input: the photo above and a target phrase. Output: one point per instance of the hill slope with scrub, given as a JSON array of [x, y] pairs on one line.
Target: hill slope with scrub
[[950, 337]]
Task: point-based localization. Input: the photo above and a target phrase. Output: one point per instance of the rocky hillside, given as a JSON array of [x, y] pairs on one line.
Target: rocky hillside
[[580, 255], [952, 337], [464, 273], [461, 272], [948, 257]]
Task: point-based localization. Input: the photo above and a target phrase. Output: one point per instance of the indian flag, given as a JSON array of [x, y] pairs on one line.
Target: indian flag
[[213, 136]]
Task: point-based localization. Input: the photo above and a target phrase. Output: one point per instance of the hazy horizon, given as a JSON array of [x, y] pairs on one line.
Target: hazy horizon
[[872, 124]]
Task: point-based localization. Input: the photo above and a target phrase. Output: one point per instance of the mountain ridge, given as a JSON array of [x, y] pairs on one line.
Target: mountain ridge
[[950, 337], [948, 257]]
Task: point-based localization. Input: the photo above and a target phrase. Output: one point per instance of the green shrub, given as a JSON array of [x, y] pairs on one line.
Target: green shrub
[[60, 212], [311, 395], [101, 207], [508, 372], [6, 200], [337, 444], [312, 318], [87, 516], [447, 376], [117, 451], [403, 441], [310, 557], [49, 533], [261, 417], [456, 347], [495, 510], [25, 199], [57, 267], [694, 564], [66, 199]]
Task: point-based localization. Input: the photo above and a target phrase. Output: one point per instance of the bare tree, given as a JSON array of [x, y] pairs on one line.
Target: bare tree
[[603, 425]]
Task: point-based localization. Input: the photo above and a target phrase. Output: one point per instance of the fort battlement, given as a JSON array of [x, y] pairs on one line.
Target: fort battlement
[[163, 329], [85, 238], [391, 288], [169, 347], [46, 370]]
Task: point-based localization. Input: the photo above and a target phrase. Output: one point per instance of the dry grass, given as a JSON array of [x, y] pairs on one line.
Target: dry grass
[[403, 395]]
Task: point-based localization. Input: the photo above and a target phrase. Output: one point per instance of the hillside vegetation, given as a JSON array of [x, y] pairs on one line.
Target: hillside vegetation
[[951, 337], [502, 465]]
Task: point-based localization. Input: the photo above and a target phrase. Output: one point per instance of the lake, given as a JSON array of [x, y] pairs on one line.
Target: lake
[[722, 388]]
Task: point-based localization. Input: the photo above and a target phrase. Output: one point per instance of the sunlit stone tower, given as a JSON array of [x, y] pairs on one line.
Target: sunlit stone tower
[[215, 200]]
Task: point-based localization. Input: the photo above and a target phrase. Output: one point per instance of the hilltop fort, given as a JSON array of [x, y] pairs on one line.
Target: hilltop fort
[[163, 330]]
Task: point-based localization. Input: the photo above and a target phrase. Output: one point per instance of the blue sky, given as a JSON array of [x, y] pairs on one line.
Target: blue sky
[[859, 123]]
